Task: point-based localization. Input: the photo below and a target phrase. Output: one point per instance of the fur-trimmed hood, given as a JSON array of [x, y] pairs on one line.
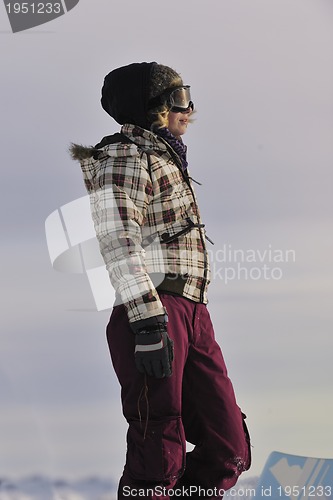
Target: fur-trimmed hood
[[128, 140], [80, 153], [132, 141]]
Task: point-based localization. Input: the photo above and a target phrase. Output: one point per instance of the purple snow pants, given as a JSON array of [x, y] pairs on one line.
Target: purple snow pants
[[196, 404]]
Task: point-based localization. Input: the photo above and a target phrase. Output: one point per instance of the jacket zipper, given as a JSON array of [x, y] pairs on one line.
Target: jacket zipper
[[178, 163]]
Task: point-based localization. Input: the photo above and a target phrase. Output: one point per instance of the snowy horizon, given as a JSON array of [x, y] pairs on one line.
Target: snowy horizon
[[93, 488]]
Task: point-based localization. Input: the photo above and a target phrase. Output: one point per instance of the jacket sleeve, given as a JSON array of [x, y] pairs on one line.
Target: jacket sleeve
[[122, 191]]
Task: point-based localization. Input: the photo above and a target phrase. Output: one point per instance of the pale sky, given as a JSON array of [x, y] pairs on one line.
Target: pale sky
[[261, 76]]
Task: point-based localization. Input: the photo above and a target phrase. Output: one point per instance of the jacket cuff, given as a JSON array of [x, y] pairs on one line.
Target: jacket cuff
[[141, 299]]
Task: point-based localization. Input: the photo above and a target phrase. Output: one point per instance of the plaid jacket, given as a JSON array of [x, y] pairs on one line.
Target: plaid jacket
[[146, 219]]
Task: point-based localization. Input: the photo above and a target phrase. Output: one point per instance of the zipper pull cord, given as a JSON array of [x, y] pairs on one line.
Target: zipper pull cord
[[193, 180], [144, 395], [208, 239]]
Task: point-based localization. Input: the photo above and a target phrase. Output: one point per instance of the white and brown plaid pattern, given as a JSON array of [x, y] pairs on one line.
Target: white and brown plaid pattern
[[146, 220]]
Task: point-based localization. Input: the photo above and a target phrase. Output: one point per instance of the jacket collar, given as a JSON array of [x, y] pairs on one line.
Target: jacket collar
[[144, 138], [148, 141]]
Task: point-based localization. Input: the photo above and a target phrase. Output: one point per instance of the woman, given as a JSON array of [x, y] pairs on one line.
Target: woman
[[173, 377]]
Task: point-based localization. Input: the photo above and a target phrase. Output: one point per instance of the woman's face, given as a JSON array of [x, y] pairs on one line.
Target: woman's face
[[178, 122]]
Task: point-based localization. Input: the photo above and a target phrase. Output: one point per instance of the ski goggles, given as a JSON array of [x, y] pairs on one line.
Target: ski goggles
[[178, 99]]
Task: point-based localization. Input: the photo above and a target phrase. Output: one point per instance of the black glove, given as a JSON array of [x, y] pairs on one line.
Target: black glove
[[153, 347]]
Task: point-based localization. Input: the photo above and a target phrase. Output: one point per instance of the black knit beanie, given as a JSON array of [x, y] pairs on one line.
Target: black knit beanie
[[127, 90], [162, 78]]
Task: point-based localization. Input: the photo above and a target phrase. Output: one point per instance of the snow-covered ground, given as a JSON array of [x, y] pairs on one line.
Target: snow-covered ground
[[42, 488]]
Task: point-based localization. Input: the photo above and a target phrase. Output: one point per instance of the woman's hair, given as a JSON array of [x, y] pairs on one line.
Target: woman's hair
[[158, 117]]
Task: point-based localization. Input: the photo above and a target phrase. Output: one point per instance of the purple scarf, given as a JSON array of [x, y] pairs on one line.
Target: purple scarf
[[177, 144]]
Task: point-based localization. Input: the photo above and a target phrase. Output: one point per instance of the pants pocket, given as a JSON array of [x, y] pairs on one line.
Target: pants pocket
[[157, 454]]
